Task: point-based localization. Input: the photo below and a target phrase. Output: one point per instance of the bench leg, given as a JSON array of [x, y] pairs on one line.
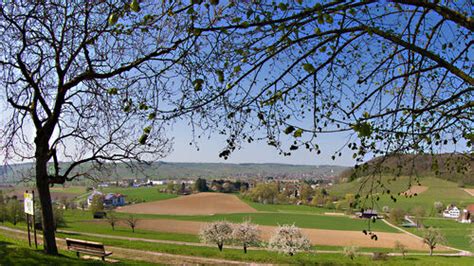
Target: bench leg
[[103, 258], [77, 253]]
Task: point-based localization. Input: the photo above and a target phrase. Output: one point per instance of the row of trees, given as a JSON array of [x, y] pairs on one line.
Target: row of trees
[[113, 220], [12, 210], [272, 193], [286, 239]]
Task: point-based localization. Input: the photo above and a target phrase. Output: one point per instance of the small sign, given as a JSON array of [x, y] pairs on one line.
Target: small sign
[[28, 200]]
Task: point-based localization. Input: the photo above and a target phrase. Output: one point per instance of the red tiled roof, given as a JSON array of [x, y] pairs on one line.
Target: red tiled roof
[[470, 208]]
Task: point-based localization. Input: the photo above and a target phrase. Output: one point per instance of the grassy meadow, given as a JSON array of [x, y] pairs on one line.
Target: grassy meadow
[[438, 190]]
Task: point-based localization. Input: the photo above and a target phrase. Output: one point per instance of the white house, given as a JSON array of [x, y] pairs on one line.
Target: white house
[[451, 212], [91, 196], [157, 182]]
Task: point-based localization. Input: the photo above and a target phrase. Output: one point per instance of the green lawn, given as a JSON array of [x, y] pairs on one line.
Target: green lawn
[[439, 190], [71, 189], [140, 194], [15, 252], [263, 256], [457, 234], [285, 208]]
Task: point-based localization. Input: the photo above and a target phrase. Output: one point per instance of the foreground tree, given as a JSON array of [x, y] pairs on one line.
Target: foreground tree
[[246, 234], [432, 237], [289, 239], [217, 233], [77, 77]]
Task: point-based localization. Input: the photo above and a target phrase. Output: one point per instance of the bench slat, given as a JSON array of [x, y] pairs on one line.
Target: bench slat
[[88, 247]]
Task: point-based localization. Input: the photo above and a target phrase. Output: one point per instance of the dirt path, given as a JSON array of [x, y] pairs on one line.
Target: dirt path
[[197, 204], [470, 191], [316, 236]]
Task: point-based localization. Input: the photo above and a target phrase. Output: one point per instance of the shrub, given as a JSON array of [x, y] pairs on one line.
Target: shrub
[[351, 252]]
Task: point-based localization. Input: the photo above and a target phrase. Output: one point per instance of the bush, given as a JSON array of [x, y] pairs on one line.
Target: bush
[[397, 215], [379, 256], [351, 252]]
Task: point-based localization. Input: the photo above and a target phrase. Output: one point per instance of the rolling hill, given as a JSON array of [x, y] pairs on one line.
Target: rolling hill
[[162, 170]]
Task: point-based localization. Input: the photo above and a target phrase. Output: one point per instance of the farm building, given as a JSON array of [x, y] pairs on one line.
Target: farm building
[[110, 200], [114, 200], [367, 214], [451, 212]]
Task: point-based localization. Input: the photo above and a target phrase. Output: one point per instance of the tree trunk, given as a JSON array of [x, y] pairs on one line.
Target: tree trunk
[[431, 251], [220, 246], [42, 185], [245, 248]]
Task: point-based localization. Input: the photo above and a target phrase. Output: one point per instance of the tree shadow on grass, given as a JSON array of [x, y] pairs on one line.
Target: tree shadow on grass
[[11, 254]]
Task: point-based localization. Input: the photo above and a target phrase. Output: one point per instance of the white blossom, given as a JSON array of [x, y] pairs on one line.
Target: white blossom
[[289, 239], [247, 234], [217, 233]]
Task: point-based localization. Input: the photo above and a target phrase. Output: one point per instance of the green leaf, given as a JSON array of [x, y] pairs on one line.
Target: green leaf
[[143, 106], [220, 76], [152, 116], [135, 6], [298, 133], [113, 91], [142, 139], [363, 129], [147, 130], [289, 130], [198, 84], [309, 68], [113, 18], [237, 69]]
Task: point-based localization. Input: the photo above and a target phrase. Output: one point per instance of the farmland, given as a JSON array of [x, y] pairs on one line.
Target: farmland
[[437, 190], [326, 230]]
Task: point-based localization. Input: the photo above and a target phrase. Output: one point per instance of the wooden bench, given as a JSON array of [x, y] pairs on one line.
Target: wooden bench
[[87, 247]]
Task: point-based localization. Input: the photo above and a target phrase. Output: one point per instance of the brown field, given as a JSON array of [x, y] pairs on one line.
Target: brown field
[[415, 190], [470, 191], [316, 236], [196, 204]]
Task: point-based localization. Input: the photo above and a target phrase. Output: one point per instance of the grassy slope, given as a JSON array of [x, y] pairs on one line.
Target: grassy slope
[[273, 257], [457, 234], [141, 194], [255, 256], [15, 252], [439, 190]]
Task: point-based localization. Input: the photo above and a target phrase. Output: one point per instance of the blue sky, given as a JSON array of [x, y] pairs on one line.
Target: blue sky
[[256, 152]]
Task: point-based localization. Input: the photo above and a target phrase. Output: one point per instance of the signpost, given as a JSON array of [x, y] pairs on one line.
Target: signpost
[[29, 203]]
